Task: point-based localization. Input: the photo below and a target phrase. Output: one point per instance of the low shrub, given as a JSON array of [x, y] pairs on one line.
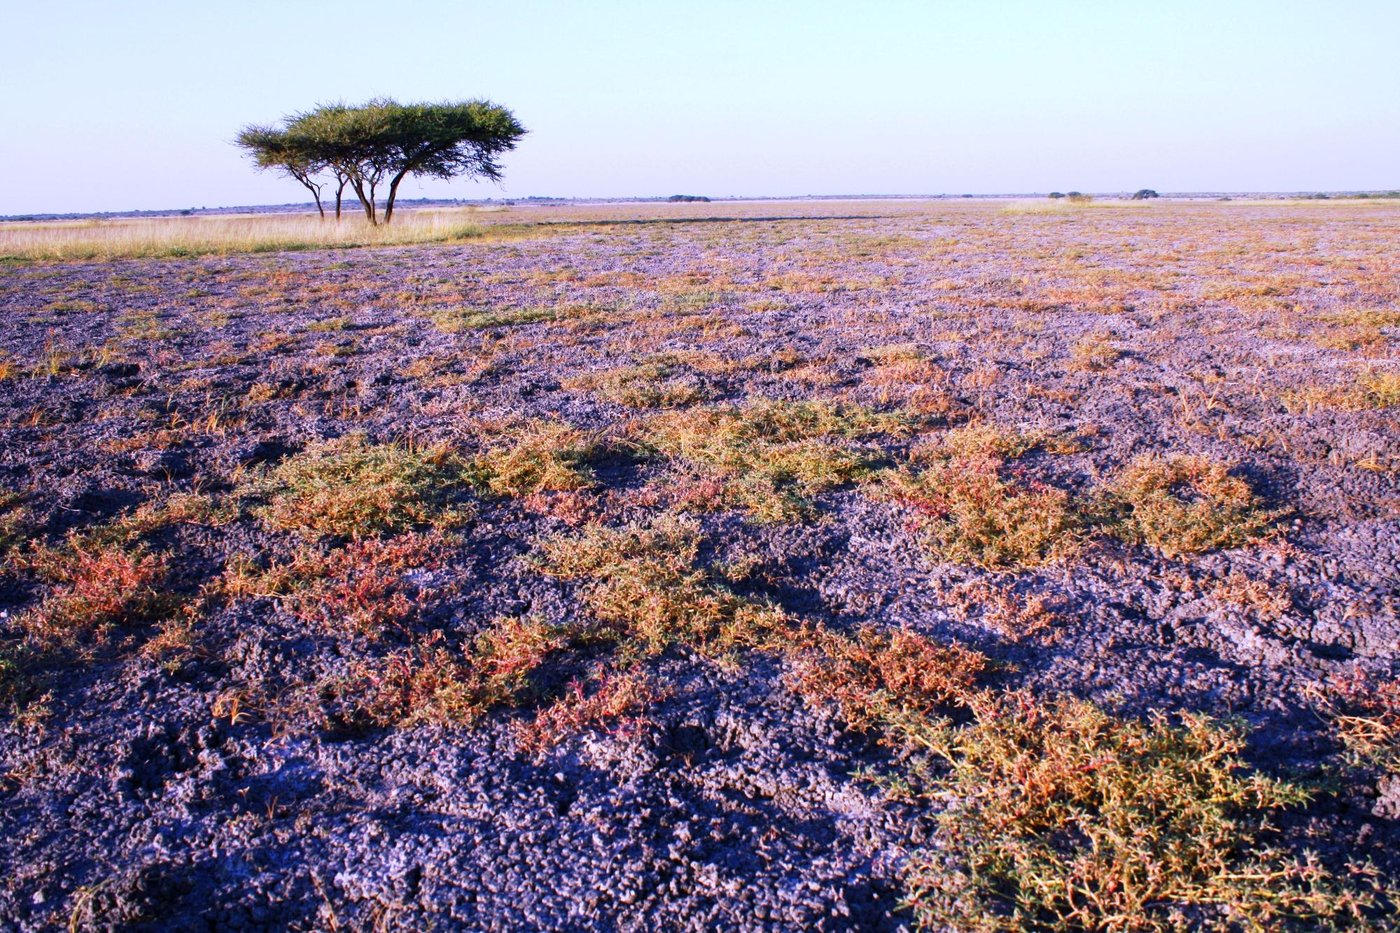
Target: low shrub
[[1365, 711], [96, 588], [458, 320], [616, 700], [1184, 505], [644, 583], [541, 456], [657, 384], [351, 487], [430, 684], [1094, 354], [1064, 817], [971, 514], [884, 679], [773, 457]]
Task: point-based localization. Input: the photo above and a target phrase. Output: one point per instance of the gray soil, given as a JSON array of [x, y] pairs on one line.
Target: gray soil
[[132, 799]]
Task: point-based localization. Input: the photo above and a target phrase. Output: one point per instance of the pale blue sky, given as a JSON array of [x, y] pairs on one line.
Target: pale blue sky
[[111, 106]]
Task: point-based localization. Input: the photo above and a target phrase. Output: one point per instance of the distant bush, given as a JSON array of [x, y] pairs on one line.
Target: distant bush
[[1079, 197], [687, 198], [1143, 194], [1057, 194]]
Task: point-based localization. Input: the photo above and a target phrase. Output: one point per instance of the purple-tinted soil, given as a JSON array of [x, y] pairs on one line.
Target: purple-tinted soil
[[133, 798]]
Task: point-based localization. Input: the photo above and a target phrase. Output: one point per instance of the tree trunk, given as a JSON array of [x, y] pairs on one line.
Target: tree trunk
[[365, 203], [315, 193], [339, 191], [393, 193]]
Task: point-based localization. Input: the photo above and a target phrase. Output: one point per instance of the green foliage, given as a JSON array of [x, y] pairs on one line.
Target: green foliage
[[281, 150]]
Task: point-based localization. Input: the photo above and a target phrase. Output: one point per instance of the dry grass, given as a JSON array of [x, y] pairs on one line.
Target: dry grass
[[537, 457], [1014, 615], [1063, 817], [1184, 505], [643, 582], [204, 235], [350, 487], [973, 515], [16, 684], [1378, 390], [1366, 714], [97, 587], [771, 458]]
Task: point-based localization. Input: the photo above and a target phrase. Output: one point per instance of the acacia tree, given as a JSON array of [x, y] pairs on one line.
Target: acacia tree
[[448, 140], [385, 141], [353, 143], [278, 150]]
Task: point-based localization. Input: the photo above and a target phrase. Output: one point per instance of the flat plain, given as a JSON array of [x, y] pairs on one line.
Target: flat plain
[[834, 565]]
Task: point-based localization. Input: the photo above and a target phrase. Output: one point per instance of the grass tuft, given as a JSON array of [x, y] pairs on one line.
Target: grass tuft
[[1063, 817], [773, 457], [1094, 354], [352, 488], [543, 456], [1184, 505]]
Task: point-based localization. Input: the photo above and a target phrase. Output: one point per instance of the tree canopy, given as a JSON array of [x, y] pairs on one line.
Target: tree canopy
[[383, 142]]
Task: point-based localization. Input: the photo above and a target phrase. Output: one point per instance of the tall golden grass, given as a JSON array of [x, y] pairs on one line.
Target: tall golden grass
[[199, 235], [236, 233]]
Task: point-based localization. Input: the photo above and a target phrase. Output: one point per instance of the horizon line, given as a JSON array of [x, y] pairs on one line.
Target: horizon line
[[298, 206]]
